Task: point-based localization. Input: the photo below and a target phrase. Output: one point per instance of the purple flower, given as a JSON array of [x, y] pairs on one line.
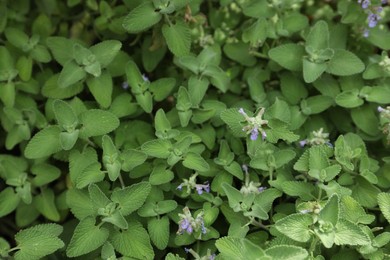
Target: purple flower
[[261, 189], [254, 134], [302, 143], [187, 250], [329, 144], [184, 224], [384, 2], [199, 189], [189, 229], [212, 257], [372, 20], [207, 188], [144, 77], [241, 111], [381, 109], [365, 4], [204, 230], [366, 33], [125, 85], [245, 168], [202, 187], [263, 135], [180, 187]]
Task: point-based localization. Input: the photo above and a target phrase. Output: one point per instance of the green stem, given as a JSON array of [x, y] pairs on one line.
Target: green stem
[[121, 181], [313, 245], [259, 55], [319, 195], [271, 173]]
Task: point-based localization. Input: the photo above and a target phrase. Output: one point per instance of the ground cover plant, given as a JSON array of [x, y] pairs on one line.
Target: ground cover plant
[[194, 129]]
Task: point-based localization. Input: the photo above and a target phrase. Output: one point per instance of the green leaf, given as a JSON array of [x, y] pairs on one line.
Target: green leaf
[[178, 38], [160, 175], [132, 158], [318, 38], [157, 148], [45, 204], [62, 48], [131, 198], [101, 88], [86, 238], [296, 226], [70, 74], [90, 174], [256, 33], [141, 18], [133, 242], [44, 143], [197, 89], [51, 89], [312, 71], [106, 51], [234, 196], [97, 122], [218, 77], [351, 210], [233, 119], [79, 203], [349, 99], [65, 115], [161, 123], [158, 229], [316, 104], [344, 63], [348, 233], [16, 37], [287, 252], [9, 200], [24, 66], [162, 88], [303, 190], [78, 162], [292, 88], [365, 193], [330, 212], [377, 94], [288, 56], [238, 249], [294, 22], [98, 198], [38, 241], [195, 162], [151, 56], [364, 117], [384, 204], [239, 52]]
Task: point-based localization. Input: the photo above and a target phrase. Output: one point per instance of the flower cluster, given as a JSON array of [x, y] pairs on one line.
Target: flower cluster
[[208, 256], [250, 186], [190, 183], [373, 14], [254, 124], [385, 62], [316, 138], [190, 224]]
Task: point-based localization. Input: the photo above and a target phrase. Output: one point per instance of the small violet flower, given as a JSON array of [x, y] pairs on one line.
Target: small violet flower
[[373, 14], [190, 183], [250, 186], [365, 4], [145, 78], [254, 124], [189, 224], [125, 85]]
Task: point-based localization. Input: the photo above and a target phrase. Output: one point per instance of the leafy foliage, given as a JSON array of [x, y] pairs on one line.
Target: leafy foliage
[[176, 129]]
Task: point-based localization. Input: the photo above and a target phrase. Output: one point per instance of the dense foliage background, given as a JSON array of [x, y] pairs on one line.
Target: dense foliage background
[[201, 129]]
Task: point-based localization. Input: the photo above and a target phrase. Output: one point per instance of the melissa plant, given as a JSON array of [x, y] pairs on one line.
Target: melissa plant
[[166, 129]]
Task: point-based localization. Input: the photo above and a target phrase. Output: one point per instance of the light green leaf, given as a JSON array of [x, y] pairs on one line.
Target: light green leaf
[[65, 115], [344, 63], [365, 193], [233, 119], [38, 241], [303, 190], [256, 33], [365, 118], [162, 88], [133, 242], [97, 122], [197, 89], [101, 88], [70, 74], [292, 88], [161, 175], [79, 203], [288, 56], [131, 198], [106, 51], [312, 71], [158, 229], [195, 162], [351, 210], [384, 204], [349, 99], [348, 233], [61, 47], [157, 148], [178, 38], [44, 143], [316, 104], [296, 226], [141, 18], [239, 52], [80, 161], [287, 252], [9, 200], [377, 94], [238, 248], [86, 238], [90, 174], [45, 204], [318, 38], [218, 77], [132, 158], [16, 37], [330, 212]]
